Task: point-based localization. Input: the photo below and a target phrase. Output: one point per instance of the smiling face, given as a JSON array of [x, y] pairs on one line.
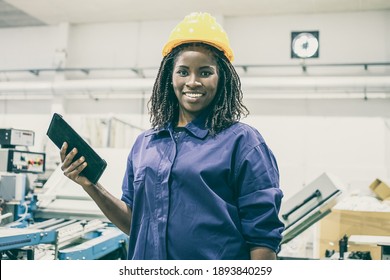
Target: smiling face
[[195, 82]]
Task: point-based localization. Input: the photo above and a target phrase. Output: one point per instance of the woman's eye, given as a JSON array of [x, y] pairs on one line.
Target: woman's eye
[[205, 74], [182, 73]]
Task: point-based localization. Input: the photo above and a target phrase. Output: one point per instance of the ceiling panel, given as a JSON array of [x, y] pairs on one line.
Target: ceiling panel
[[13, 17], [35, 12]]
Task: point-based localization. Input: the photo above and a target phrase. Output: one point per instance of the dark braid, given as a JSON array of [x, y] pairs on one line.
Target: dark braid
[[226, 108]]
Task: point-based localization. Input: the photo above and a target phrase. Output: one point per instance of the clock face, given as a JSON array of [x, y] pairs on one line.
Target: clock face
[[305, 45]]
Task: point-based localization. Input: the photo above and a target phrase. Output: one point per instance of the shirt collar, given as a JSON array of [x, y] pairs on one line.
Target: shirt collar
[[196, 128]]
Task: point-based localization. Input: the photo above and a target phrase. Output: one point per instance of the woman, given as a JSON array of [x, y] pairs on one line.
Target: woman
[[199, 184]]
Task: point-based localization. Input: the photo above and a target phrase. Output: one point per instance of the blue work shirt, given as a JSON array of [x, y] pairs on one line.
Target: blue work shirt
[[202, 196]]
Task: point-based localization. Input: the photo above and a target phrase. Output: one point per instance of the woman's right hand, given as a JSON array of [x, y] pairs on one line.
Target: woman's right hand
[[73, 170]]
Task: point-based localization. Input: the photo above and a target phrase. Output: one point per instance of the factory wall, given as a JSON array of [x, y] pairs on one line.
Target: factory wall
[[344, 38], [347, 137]]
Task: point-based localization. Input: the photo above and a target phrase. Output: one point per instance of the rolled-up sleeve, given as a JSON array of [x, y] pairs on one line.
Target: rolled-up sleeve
[[127, 184], [260, 198]]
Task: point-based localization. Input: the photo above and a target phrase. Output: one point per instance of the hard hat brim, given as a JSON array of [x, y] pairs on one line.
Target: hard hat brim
[[173, 44]]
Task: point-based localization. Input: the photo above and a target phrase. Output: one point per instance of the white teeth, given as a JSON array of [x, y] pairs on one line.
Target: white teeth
[[193, 95]]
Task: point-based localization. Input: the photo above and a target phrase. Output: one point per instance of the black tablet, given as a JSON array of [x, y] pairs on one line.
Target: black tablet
[[60, 131]]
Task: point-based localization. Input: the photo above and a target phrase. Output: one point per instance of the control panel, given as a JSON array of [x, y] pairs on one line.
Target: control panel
[[16, 137], [17, 161]]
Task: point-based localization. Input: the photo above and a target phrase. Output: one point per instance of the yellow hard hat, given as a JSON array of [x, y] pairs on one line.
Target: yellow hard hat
[[199, 27]]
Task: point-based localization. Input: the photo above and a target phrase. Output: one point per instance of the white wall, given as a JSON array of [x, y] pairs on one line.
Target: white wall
[[104, 45], [344, 38], [29, 47]]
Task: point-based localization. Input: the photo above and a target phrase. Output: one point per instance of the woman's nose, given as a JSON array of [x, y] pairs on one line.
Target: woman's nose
[[193, 81]]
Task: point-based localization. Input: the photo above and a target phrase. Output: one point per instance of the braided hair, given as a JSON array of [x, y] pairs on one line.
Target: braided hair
[[226, 108]]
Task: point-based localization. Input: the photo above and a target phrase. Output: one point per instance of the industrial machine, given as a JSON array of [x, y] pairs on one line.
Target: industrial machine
[[58, 220], [308, 206], [16, 161]]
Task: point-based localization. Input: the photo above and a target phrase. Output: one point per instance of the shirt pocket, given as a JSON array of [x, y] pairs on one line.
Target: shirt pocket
[[139, 182], [139, 175], [139, 193]]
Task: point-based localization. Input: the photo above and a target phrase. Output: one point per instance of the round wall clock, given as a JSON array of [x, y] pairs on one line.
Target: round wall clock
[[304, 45]]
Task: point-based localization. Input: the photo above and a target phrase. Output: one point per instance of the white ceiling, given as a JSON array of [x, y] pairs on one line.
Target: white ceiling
[[38, 12]]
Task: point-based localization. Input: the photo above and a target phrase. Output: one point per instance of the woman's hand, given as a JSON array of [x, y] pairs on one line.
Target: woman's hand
[[73, 170]]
